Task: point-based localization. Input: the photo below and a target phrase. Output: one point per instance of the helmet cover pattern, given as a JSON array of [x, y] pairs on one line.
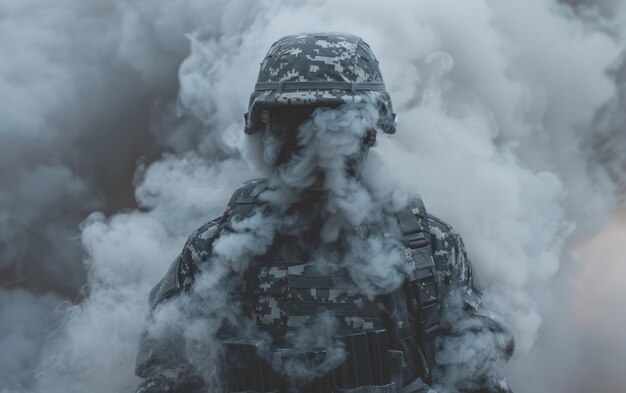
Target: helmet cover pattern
[[321, 70]]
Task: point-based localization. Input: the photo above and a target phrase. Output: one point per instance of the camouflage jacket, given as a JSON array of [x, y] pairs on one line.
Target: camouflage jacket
[[458, 286], [453, 266]]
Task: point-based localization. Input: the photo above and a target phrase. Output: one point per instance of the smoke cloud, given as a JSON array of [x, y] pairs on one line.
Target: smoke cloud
[[122, 133]]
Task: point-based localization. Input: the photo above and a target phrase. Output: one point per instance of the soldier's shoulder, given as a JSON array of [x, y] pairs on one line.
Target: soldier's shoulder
[[448, 249], [196, 251], [199, 244], [442, 234], [248, 191], [198, 248], [441, 230]]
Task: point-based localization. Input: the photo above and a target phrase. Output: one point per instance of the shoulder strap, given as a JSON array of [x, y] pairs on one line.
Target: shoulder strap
[[241, 205], [244, 199], [422, 283]]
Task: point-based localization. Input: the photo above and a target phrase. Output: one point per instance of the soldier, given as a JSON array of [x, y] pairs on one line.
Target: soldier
[[318, 279]]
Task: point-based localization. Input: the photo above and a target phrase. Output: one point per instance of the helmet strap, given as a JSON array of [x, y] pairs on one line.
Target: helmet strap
[[265, 119]]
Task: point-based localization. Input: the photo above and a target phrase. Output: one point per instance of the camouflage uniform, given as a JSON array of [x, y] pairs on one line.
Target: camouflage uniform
[[277, 284], [280, 295]]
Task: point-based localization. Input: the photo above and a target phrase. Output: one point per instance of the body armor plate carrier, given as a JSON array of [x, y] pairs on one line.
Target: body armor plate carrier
[[389, 339]]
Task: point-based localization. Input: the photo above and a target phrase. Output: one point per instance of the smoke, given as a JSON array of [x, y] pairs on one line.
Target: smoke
[[328, 155], [512, 131]]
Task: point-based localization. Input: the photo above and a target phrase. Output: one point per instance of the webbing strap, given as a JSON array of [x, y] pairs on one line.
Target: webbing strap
[[319, 85], [320, 282], [365, 309], [241, 205], [422, 282], [243, 200], [409, 223]]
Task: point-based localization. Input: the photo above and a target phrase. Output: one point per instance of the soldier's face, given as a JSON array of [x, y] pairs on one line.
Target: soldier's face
[[280, 133], [306, 142]]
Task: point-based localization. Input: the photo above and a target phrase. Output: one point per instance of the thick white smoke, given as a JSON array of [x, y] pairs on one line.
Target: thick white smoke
[[511, 125], [326, 145]]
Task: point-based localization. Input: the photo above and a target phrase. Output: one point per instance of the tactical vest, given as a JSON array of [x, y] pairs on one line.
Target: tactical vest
[[389, 339]]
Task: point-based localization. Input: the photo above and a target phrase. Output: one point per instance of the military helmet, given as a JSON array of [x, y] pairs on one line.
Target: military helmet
[[319, 70]]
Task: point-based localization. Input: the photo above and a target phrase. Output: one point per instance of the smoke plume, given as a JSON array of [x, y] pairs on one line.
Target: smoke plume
[[122, 132]]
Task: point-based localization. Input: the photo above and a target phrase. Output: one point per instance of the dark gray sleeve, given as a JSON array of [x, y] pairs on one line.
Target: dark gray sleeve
[[156, 357], [468, 320], [180, 275], [462, 281], [168, 286]]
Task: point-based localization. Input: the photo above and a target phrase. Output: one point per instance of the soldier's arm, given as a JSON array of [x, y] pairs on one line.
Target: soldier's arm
[[159, 360], [478, 342]]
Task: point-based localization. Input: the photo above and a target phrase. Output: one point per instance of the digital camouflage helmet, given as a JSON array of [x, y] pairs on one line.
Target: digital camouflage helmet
[[319, 70]]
